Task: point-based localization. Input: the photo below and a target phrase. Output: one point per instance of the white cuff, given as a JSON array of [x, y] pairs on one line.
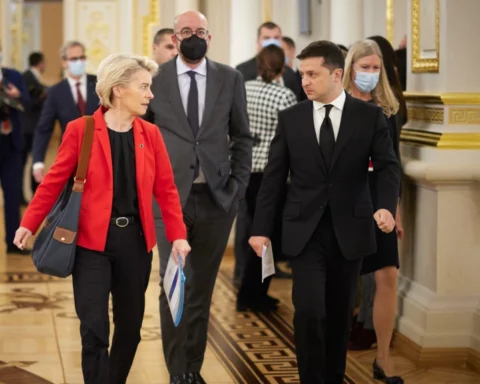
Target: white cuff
[[38, 165]]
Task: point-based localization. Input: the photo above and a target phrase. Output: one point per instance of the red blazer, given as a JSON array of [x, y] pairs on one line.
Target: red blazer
[[154, 177]]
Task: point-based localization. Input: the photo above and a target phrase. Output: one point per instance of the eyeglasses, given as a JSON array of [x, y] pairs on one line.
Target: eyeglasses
[[186, 33]]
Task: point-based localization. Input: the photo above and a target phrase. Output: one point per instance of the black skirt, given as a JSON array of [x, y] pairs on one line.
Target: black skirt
[[387, 243]]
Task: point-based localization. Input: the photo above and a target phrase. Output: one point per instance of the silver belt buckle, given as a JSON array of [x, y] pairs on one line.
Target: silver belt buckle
[[118, 221]]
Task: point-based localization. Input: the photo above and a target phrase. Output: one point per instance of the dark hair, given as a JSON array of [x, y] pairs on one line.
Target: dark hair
[[35, 58], [332, 55], [161, 33], [270, 62], [289, 41], [342, 47], [389, 62], [267, 25]]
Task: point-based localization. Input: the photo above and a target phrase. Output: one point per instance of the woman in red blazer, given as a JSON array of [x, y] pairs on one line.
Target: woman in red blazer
[[128, 164]]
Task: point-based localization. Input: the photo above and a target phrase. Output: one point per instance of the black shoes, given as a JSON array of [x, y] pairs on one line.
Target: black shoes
[[187, 378], [379, 374]]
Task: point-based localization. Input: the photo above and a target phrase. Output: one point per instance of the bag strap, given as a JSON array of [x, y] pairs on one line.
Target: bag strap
[[80, 175]]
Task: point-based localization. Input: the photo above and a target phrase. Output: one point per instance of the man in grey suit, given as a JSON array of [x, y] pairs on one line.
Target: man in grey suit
[[200, 108]]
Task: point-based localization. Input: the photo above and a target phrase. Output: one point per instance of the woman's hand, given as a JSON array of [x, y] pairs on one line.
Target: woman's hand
[[182, 248], [21, 237]]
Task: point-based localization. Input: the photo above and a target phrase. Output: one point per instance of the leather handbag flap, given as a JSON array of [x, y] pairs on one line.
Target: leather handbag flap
[[63, 235]]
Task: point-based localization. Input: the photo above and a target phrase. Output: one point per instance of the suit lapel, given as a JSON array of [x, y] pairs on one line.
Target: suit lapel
[[214, 84], [104, 140], [311, 139], [170, 72], [347, 127], [91, 99], [139, 142]]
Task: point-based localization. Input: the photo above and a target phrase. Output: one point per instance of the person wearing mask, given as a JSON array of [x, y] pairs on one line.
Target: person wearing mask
[[67, 100], [200, 108], [116, 234], [163, 47], [265, 98], [366, 79], [269, 33], [13, 101], [37, 91], [324, 144]]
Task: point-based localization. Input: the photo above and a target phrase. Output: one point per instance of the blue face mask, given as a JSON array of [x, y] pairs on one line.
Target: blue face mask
[[267, 42], [77, 67], [367, 81]]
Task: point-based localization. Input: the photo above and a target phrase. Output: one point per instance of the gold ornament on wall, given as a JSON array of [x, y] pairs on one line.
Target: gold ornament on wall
[[97, 31], [426, 115], [464, 116], [425, 59], [390, 23], [148, 22]]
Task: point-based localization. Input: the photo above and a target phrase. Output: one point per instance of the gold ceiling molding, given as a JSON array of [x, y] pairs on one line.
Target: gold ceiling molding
[[150, 20], [443, 98], [426, 115], [464, 116], [440, 140], [420, 63], [390, 24]]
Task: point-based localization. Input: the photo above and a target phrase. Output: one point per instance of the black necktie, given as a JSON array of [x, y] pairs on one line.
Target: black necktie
[[192, 104], [327, 138], [192, 114]]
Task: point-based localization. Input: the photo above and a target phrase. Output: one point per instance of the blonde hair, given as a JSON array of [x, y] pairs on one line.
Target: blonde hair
[[382, 94], [117, 69]]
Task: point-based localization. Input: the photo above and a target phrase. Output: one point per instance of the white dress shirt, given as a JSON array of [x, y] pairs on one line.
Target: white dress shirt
[[83, 87], [184, 86], [335, 115]]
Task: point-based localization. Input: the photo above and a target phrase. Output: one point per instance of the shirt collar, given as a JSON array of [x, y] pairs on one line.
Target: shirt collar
[[182, 68], [36, 73], [338, 103], [73, 82]]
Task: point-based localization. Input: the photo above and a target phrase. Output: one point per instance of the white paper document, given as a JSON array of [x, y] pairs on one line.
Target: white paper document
[[174, 286], [268, 266]]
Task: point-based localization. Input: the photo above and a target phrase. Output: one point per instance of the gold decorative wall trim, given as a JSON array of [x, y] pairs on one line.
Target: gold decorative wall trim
[[267, 10], [464, 116], [148, 21], [419, 63], [426, 115], [390, 23], [443, 98], [440, 140]]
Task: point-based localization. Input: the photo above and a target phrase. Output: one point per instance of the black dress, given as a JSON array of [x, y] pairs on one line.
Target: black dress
[[387, 243]]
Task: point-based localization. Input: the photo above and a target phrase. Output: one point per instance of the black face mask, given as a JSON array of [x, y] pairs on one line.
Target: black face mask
[[193, 48]]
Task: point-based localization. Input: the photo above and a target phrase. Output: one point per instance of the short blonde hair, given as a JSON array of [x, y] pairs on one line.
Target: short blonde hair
[[117, 69], [382, 95]]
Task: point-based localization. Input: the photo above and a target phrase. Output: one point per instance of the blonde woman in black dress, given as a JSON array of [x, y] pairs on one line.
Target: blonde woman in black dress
[[365, 78]]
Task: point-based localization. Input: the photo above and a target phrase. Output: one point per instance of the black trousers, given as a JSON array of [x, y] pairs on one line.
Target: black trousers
[[124, 270], [324, 287], [27, 149], [252, 290], [208, 228]]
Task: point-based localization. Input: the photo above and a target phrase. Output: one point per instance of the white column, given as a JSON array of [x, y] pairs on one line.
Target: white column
[[346, 21], [245, 17], [374, 18], [440, 287], [104, 26]]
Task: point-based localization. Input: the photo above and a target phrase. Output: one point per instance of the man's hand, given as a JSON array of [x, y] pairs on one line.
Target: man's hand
[[257, 243], [12, 91], [38, 175], [384, 220]]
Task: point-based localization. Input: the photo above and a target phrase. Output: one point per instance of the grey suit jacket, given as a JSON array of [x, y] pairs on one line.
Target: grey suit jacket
[[223, 144]]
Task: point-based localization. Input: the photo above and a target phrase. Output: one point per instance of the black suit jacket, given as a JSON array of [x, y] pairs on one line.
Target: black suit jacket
[[363, 134], [60, 105], [249, 71], [36, 91]]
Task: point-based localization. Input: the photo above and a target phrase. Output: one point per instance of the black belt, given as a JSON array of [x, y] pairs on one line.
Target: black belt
[[123, 221]]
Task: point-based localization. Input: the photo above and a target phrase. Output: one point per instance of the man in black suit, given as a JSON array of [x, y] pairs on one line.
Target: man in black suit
[[67, 100], [325, 144], [37, 92], [269, 33]]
